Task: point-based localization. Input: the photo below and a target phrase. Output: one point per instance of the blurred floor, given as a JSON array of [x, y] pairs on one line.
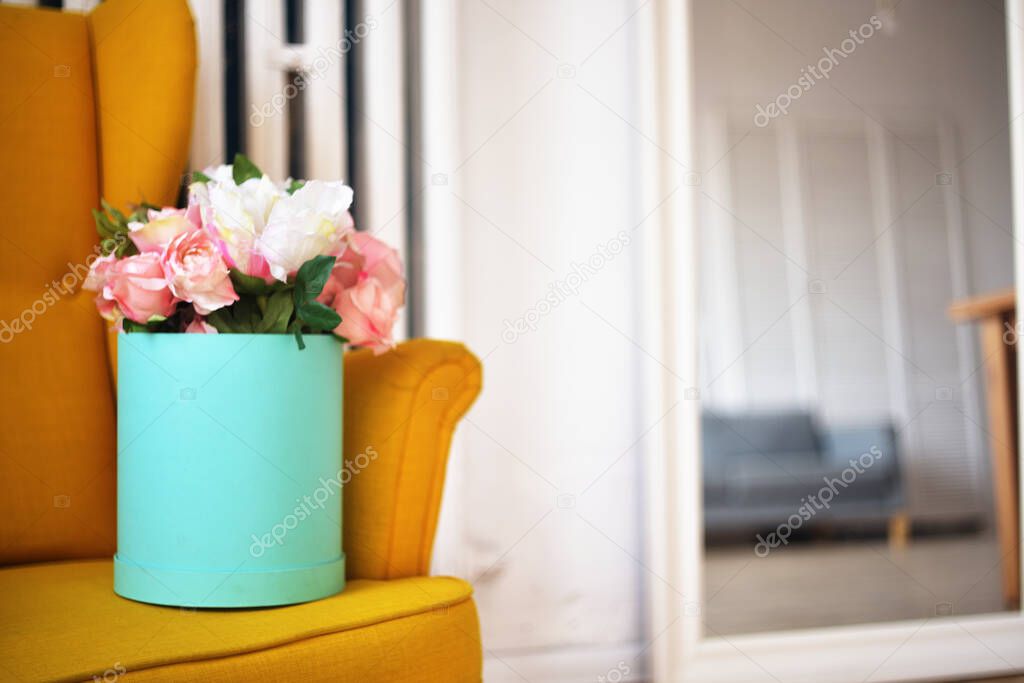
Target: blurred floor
[[815, 584]]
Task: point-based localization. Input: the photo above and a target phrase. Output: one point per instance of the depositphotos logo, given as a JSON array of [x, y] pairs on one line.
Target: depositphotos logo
[[811, 505], [308, 504], [812, 74], [65, 286]]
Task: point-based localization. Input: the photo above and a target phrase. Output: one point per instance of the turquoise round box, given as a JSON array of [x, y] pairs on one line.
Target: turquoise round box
[[229, 469]]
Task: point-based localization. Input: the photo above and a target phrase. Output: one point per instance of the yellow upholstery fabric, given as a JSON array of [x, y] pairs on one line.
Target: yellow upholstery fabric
[[145, 63], [405, 405], [144, 52], [57, 433], [61, 621], [90, 106]]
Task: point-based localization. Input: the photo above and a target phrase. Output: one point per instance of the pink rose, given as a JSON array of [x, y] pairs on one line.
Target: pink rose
[[368, 257], [96, 280], [163, 226], [196, 272], [367, 289], [200, 326], [138, 286], [367, 313]]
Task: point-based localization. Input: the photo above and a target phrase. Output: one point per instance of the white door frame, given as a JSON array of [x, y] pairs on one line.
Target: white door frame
[[950, 648]]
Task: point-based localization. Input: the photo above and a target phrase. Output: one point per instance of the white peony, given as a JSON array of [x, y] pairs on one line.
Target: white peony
[[311, 222], [236, 215]]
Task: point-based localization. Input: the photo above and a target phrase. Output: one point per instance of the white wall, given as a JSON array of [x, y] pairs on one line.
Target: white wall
[[546, 476]]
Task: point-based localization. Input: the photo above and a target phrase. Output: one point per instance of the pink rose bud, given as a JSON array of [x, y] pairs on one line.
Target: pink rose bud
[[367, 258], [200, 326], [96, 280], [196, 272], [163, 226], [138, 286], [368, 314]]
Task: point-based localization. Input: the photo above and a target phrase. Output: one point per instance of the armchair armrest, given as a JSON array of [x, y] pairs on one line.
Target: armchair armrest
[[403, 405]]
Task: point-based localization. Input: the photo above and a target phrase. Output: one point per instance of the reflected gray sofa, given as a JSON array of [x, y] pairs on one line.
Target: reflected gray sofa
[[761, 468]]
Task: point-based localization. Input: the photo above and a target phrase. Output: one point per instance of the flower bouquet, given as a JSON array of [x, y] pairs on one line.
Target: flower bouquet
[[248, 256], [229, 437]]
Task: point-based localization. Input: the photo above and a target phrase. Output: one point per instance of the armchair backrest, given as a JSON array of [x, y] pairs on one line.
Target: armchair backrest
[[90, 105]]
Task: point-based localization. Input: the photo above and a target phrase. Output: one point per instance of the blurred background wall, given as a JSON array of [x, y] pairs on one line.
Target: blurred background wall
[[547, 479]]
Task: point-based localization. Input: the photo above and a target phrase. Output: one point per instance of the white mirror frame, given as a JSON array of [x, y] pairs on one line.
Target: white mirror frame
[[947, 648]]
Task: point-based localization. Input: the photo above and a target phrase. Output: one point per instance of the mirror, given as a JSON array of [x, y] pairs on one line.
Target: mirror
[[858, 395]]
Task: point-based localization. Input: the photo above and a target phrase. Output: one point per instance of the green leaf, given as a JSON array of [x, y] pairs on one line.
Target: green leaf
[[113, 211], [295, 185], [154, 324], [112, 227], [247, 313], [200, 177], [132, 326], [311, 278], [106, 227], [243, 169], [141, 212], [239, 318], [296, 329], [223, 321], [278, 312], [103, 226], [108, 246], [126, 248], [318, 316], [250, 284]]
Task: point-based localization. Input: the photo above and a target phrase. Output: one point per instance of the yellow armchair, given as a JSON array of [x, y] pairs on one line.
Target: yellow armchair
[[100, 105]]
